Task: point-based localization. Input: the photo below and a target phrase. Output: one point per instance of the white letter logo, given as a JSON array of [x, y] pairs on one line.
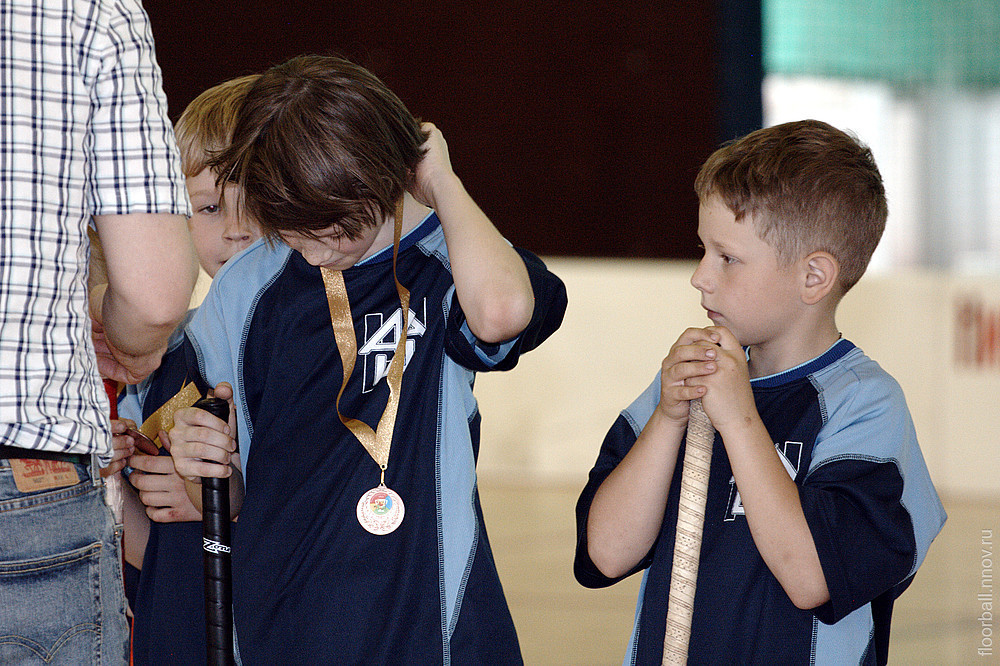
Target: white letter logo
[[381, 337]]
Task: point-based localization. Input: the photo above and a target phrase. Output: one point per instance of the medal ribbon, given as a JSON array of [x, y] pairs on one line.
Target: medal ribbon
[[377, 442], [163, 418]]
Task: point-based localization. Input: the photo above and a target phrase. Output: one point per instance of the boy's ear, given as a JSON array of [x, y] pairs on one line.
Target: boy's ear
[[821, 276]]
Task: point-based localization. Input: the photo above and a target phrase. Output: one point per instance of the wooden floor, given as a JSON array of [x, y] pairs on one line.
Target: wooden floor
[[532, 530]]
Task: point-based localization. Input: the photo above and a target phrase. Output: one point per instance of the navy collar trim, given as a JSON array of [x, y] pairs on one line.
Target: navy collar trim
[[837, 351], [415, 235]]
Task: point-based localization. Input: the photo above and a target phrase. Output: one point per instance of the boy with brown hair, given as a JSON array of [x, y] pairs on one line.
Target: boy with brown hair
[[820, 507], [162, 526], [359, 542]]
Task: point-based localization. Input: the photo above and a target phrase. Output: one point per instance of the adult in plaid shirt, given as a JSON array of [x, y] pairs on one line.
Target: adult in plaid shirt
[[84, 136]]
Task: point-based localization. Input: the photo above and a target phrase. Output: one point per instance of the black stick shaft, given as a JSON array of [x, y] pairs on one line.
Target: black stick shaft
[[217, 559]]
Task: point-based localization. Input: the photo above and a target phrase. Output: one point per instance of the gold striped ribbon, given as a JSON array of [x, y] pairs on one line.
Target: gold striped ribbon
[[163, 418], [377, 442]]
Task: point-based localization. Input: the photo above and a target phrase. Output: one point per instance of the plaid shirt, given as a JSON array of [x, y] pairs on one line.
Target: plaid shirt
[[83, 132]]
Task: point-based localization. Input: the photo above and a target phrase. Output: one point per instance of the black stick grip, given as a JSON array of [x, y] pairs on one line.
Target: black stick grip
[[217, 560]]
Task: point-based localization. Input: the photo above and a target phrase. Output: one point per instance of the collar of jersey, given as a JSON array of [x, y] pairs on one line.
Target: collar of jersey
[[415, 235], [836, 351]]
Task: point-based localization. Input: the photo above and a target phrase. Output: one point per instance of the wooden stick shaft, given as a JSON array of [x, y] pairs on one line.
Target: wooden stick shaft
[[687, 542]]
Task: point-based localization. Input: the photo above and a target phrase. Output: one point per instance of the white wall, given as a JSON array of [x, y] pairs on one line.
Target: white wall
[[938, 148], [544, 421]]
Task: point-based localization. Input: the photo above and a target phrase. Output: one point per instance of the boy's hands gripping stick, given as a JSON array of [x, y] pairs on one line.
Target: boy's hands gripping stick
[[687, 540], [217, 557]]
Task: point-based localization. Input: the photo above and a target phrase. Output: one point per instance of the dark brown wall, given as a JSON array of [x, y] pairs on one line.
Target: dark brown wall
[[578, 126]]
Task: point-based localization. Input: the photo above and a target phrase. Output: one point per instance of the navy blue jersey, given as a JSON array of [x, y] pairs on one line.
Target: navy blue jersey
[[310, 584], [845, 435], [169, 608]]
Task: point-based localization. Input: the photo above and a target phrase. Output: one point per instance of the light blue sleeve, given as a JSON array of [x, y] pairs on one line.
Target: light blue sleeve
[[867, 419], [219, 327], [130, 402]]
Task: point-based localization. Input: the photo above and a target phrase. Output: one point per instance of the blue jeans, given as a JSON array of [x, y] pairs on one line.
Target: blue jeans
[[61, 594]]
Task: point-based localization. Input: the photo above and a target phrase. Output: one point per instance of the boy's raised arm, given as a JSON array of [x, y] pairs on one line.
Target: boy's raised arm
[[490, 278]]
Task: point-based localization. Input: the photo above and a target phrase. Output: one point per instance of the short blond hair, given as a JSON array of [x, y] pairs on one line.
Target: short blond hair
[[806, 186], [206, 125]]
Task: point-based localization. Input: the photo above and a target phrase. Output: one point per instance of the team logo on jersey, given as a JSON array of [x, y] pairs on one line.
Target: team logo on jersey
[[790, 454], [381, 336]]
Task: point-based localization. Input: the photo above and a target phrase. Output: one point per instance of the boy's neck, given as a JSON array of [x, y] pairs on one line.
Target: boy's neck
[[414, 213], [793, 349]]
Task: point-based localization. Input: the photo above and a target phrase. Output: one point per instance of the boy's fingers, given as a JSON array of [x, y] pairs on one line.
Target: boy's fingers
[[693, 353], [158, 483], [140, 481], [693, 392], [697, 336], [725, 337], [193, 417], [165, 514], [686, 393], [223, 390], [211, 437], [699, 351], [681, 372], [197, 469], [163, 483], [142, 443], [122, 449], [690, 335], [113, 468], [118, 426], [209, 451], [152, 464]]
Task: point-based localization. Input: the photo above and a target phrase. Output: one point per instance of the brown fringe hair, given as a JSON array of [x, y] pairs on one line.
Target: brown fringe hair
[[321, 143]]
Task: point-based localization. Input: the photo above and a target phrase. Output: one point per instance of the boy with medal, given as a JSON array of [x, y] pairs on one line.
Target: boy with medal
[[377, 261]]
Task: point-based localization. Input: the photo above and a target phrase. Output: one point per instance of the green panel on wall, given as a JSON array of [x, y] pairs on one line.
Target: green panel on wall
[[903, 41]]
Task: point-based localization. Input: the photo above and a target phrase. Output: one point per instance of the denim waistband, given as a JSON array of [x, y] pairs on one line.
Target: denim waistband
[[7, 452]]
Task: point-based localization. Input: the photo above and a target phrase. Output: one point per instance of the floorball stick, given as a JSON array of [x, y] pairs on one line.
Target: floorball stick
[[215, 524], [687, 542]]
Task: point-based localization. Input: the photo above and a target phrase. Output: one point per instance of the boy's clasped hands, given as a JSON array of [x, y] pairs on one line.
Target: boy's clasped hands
[[707, 363]]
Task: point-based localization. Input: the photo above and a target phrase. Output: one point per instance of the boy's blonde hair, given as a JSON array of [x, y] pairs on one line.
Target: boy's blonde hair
[[806, 186], [206, 125]]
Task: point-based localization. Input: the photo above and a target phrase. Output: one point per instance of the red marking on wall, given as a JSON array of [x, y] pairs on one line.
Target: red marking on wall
[[977, 333]]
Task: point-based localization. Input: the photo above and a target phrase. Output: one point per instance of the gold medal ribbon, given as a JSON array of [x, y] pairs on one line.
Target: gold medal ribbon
[[163, 418], [377, 442]]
